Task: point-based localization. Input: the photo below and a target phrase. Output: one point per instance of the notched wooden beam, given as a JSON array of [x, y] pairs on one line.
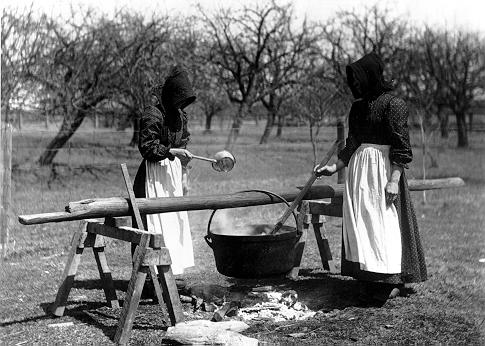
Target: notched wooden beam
[[125, 233]]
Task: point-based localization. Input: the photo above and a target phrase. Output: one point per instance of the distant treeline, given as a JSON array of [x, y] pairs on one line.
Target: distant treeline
[[245, 62]]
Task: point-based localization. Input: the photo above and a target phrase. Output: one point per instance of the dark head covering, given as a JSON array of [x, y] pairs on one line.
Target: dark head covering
[[177, 90], [368, 72], [156, 92]]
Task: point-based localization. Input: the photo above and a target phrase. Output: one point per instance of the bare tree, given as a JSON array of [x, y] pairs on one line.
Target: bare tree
[[143, 48], [350, 35], [456, 60], [189, 47], [210, 95], [82, 70], [318, 102], [22, 44], [285, 55], [239, 40]]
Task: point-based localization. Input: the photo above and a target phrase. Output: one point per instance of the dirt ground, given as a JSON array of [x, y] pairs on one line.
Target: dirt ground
[[449, 308]]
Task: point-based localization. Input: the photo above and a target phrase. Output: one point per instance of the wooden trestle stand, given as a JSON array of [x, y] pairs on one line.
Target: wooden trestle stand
[[151, 258], [313, 212]]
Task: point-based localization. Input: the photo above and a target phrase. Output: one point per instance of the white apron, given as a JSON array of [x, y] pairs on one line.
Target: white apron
[[371, 233], [164, 179]]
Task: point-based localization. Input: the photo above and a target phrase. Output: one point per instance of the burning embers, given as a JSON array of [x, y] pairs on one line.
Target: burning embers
[[275, 306], [258, 304]]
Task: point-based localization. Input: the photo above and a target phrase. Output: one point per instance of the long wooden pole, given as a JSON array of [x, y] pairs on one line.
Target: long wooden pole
[[341, 139], [6, 192], [303, 191], [118, 206], [135, 286]]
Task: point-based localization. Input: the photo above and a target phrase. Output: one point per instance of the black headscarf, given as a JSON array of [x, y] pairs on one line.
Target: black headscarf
[[177, 92], [174, 94], [368, 71]]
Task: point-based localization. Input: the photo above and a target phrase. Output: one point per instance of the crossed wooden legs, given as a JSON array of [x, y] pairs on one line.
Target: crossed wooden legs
[[157, 263], [154, 261], [309, 212], [81, 240]]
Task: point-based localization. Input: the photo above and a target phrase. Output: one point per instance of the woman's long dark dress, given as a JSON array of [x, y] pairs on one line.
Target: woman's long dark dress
[[384, 121]]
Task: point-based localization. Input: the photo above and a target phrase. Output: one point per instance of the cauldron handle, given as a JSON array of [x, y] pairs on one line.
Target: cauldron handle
[[207, 236], [208, 239]]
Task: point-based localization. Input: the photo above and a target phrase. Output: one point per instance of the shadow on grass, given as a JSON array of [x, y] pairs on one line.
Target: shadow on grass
[[316, 289], [149, 315], [25, 320], [97, 314], [95, 284]]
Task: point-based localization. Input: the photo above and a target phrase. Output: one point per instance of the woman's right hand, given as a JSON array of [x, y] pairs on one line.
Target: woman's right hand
[[181, 153], [326, 170]]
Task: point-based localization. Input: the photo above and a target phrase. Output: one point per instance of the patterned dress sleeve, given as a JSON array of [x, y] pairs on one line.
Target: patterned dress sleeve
[[397, 121], [351, 143], [150, 145]]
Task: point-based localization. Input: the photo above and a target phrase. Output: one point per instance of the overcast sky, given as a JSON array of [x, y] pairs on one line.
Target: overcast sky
[[468, 14]]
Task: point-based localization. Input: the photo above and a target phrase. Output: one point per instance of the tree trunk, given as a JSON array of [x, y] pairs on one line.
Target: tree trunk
[[444, 120], [136, 132], [236, 126], [279, 130], [69, 126], [7, 114], [313, 141], [470, 121], [462, 130], [208, 122], [46, 116], [19, 115], [234, 132], [267, 129]]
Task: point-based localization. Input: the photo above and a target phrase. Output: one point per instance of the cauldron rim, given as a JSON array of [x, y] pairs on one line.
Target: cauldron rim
[[285, 233]]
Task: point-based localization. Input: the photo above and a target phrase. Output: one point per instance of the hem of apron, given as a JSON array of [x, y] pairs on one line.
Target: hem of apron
[[352, 269]]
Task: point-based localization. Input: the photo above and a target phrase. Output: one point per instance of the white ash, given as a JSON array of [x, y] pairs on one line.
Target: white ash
[[277, 307]]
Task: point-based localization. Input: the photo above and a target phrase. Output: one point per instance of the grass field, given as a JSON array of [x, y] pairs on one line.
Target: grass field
[[449, 308]]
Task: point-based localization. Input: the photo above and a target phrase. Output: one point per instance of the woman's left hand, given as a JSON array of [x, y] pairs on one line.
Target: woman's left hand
[[392, 189]]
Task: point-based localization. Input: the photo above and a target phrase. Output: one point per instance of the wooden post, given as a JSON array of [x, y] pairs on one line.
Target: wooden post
[[318, 224], [341, 139], [140, 270], [5, 189], [303, 223], [83, 239], [105, 273]]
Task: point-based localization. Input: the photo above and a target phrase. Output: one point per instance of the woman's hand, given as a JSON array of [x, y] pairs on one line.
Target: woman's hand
[[182, 154], [327, 170], [392, 189]]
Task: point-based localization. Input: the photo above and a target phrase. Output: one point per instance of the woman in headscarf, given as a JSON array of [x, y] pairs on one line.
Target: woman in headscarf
[[381, 246], [162, 143]]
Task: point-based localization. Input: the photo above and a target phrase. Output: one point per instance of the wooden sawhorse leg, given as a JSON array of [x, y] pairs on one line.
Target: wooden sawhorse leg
[[81, 240], [152, 258], [156, 260], [305, 217], [318, 224], [143, 261], [302, 224]]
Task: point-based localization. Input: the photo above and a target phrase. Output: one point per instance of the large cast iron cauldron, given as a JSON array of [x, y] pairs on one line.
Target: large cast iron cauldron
[[252, 252]]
